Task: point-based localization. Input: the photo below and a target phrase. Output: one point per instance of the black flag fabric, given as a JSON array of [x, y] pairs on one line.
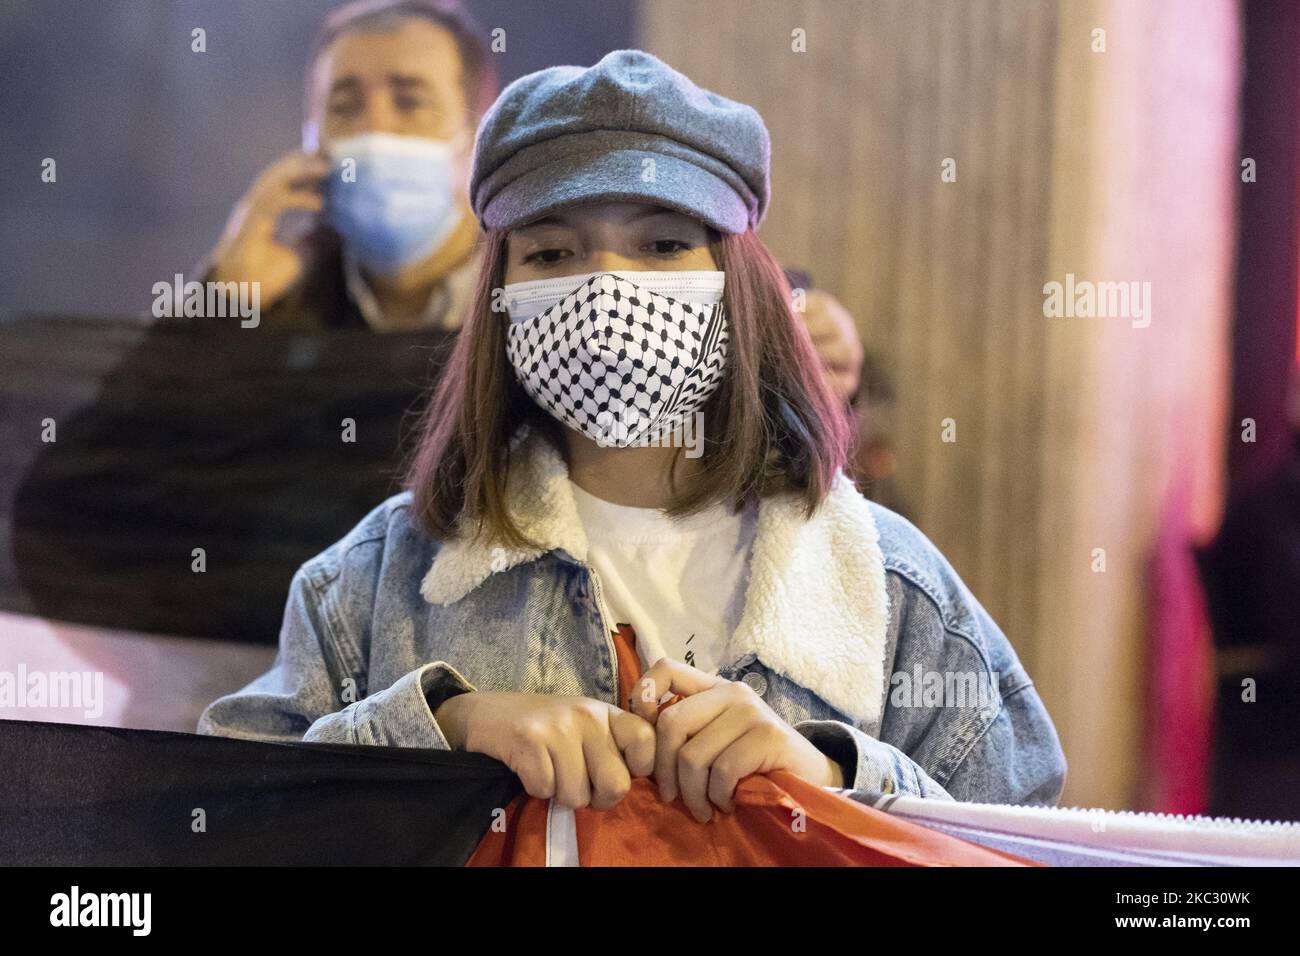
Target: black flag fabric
[[103, 796]]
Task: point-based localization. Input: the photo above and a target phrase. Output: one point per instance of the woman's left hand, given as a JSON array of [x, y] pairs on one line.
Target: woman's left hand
[[717, 734]]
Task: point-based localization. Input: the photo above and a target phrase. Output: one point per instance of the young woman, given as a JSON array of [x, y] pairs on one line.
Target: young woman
[[634, 464]]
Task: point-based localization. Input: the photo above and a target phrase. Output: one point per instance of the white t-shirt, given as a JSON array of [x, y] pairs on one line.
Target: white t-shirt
[[678, 582]]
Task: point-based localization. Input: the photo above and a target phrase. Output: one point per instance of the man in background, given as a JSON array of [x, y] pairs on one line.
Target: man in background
[[398, 86]]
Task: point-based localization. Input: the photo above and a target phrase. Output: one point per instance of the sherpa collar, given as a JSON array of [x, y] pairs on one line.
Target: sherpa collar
[[815, 607]]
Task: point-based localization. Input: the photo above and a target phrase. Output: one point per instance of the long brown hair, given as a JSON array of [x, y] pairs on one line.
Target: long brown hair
[[772, 426]]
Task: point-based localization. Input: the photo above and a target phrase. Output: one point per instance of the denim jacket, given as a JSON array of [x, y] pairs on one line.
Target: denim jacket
[[855, 630]]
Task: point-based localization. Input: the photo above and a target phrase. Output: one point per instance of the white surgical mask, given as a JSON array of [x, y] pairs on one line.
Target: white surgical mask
[[527, 299], [619, 356], [401, 204]]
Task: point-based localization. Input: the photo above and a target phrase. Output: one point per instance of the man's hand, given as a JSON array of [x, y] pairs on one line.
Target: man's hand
[[835, 336], [719, 733], [250, 249]]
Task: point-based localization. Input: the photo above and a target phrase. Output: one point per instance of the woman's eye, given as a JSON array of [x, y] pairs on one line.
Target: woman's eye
[[669, 247], [545, 257]]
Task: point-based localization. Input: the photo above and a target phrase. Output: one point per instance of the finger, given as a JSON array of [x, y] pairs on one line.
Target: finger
[[664, 676], [844, 386], [828, 320], [695, 758], [312, 168], [679, 723], [268, 207], [293, 189], [635, 739], [747, 754], [267, 220], [835, 352], [288, 168], [278, 170], [817, 323], [644, 699], [303, 184], [278, 183], [312, 202], [304, 166], [536, 772], [821, 338], [610, 780], [823, 327], [572, 785]]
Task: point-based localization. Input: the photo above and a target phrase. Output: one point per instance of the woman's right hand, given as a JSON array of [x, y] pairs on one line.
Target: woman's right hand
[[577, 750]]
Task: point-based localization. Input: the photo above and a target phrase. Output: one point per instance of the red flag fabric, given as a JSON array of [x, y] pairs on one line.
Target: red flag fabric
[[780, 819]]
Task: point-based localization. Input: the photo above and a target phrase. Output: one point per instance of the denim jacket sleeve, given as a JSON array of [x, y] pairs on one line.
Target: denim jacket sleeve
[[315, 690], [871, 764], [998, 748]]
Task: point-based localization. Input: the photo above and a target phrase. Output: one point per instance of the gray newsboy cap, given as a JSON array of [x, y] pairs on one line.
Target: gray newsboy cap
[[570, 134]]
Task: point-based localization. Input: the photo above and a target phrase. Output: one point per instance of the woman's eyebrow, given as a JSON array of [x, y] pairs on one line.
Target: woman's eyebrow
[[656, 211], [542, 223], [559, 220]]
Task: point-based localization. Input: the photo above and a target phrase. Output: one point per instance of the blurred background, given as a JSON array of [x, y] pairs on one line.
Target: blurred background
[[1122, 494]]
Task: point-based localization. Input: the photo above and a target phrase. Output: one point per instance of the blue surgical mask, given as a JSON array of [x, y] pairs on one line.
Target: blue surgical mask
[[392, 198]]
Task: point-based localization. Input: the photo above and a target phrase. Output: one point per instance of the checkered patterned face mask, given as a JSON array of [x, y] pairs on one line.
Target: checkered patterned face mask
[[623, 357]]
